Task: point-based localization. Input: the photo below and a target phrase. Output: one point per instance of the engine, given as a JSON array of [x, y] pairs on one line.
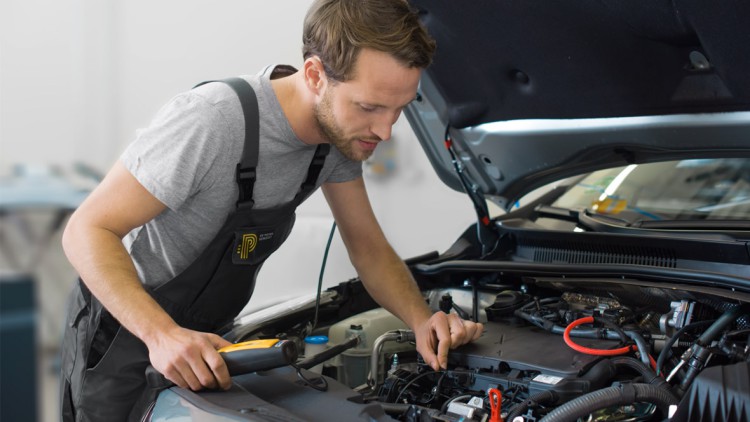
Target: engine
[[560, 358]]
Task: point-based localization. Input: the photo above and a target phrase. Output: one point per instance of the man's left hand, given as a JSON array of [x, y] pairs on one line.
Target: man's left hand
[[442, 332]]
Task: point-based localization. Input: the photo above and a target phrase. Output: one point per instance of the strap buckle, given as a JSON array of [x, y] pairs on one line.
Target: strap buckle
[[245, 182]]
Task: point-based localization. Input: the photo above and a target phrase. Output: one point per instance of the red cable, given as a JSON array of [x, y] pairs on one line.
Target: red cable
[[588, 350], [598, 352]]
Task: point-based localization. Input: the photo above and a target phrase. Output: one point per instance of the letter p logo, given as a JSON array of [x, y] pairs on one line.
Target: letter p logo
[[247, 245]]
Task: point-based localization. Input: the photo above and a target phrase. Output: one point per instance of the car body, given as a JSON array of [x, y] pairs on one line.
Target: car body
[[615, 138]]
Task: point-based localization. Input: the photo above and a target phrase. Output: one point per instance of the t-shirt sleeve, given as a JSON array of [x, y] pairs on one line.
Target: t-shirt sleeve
[[173, 156], [344, 169]]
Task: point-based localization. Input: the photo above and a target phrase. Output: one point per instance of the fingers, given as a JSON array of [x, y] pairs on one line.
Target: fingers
[[218, 342], [174, 376], [429, 336], [457, 330], [204, 372], [442, 354], [181, 373], [463, 331], [478, 330], [190, 360], [429, 357], [449, 331], [193, 376], [442, 331], [216, 363], [192, 371]]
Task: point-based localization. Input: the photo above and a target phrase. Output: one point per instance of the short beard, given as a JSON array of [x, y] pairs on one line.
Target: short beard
[[333, 133]]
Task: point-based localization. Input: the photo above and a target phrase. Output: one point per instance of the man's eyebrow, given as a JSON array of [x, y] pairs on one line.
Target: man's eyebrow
[[377, 105], [412, 100], [409, 102]]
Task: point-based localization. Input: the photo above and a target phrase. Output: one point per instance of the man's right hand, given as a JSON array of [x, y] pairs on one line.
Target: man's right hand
[[190, 359]]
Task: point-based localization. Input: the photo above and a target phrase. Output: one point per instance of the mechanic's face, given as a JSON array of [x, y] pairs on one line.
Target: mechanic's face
[[354, 116]]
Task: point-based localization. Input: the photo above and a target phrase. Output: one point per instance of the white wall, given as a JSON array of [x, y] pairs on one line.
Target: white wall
[[78, 77]]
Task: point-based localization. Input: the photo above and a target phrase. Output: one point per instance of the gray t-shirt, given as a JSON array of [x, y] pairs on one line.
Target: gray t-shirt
[[187, 157]]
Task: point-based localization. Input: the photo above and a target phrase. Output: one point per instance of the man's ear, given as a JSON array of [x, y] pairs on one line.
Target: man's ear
[[315, 75]]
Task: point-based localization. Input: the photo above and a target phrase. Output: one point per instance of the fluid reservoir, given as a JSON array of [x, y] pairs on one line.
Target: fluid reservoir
[[313, 346], [353, 365]]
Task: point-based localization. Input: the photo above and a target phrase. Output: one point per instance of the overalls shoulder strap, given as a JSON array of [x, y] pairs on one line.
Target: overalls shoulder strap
[[246, 169], [312, 173], [245, 173]]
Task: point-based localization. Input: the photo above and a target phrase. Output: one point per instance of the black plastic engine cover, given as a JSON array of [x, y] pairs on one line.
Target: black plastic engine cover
[[719, 393], [525, 347]]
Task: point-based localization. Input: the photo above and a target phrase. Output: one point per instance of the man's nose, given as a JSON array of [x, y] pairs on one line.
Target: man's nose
[[383, 126], [382, 131]]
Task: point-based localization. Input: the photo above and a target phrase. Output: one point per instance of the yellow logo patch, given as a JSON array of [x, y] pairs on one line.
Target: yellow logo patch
[[248, 244]]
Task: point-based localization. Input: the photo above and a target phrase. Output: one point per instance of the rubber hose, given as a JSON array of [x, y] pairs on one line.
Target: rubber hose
[[668, 345], [649, 376], [329, 353], [640, 342], [743, 321], [701, 351], [714, 331], [394, 408], [598, 376], [590, 333], [611, 396], [543, 398], [540, 302]]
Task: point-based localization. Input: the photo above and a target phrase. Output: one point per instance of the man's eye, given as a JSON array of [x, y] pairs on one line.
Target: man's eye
[[367, 108]]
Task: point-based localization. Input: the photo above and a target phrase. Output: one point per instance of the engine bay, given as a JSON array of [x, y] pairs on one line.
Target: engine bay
[[548, 352]]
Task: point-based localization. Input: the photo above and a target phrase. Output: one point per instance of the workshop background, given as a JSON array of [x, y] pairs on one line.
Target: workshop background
[[77, 79]]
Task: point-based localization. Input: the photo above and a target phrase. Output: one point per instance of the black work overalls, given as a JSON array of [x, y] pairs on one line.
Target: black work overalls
[[103, 364]]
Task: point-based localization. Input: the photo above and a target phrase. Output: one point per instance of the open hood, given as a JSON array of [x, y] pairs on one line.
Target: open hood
[[533, 92]]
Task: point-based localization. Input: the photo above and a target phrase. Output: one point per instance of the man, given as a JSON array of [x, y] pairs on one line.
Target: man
[[161, 243]]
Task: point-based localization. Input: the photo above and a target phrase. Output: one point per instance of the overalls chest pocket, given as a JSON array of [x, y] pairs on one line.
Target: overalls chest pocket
[[253, 244]]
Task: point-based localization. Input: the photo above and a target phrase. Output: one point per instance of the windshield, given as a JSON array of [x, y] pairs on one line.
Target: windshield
[[707, 189]]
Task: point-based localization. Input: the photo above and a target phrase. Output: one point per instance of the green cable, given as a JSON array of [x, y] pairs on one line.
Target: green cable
[[320, 278]]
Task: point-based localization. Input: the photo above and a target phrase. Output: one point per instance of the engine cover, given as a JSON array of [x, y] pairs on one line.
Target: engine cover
[[525, 347], [719, 393]]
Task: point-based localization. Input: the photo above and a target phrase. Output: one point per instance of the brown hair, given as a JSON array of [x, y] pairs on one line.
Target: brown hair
[[337, 30]]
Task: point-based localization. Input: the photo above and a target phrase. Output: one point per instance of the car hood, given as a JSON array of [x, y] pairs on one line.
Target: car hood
[[533, 92]]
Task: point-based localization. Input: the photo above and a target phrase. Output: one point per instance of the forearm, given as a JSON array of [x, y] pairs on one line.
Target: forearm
[[389, 282], [104, 265], [387, 278]]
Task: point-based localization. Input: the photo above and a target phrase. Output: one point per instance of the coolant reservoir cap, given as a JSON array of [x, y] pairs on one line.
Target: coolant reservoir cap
[[316, 339]]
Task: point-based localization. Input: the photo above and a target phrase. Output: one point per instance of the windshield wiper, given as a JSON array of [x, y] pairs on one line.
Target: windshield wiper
[[579, 215], [587, 220], [557, 212]]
